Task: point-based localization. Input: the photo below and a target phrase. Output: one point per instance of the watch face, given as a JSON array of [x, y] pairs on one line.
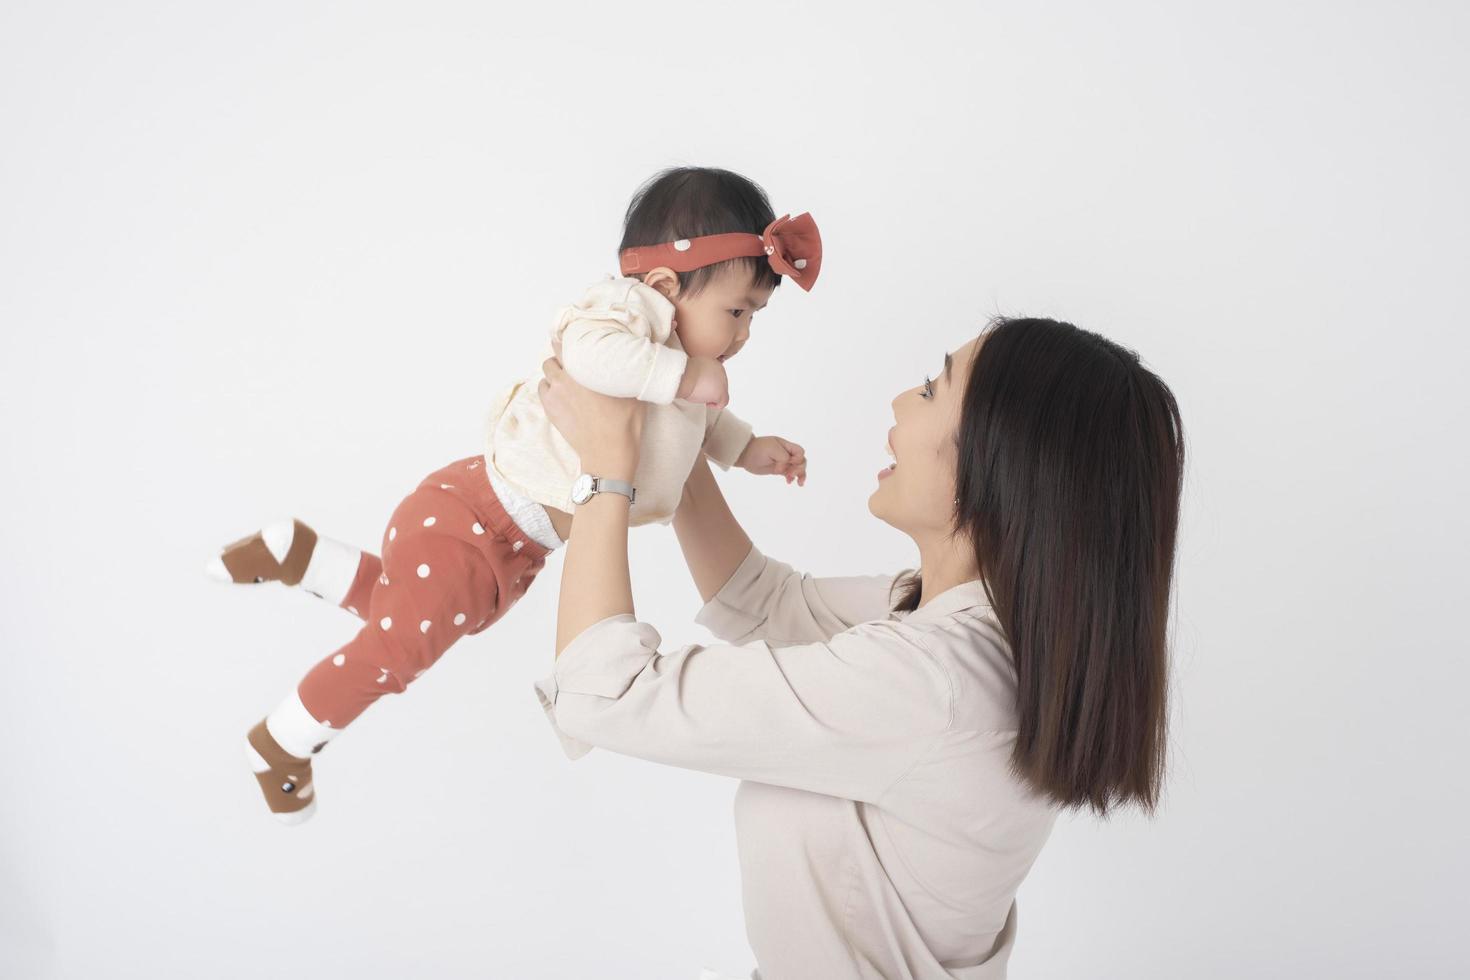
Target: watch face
[[582, 489]]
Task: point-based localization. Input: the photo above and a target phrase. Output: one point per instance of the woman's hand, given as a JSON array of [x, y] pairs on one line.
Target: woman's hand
[[605, 432]]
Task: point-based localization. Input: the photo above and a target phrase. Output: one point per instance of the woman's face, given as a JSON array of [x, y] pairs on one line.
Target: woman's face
[[916, 493]]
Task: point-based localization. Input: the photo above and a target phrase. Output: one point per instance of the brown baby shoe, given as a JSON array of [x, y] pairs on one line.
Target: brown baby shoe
[[278, 553], [284, 779]]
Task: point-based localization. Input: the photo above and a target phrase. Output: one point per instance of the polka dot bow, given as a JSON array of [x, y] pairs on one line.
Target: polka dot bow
[[793, 246]]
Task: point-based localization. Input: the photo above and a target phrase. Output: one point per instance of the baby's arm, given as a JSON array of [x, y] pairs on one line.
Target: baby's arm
[[729, 441], [607, 357], [618, 346], [766, 455], [726, 436]]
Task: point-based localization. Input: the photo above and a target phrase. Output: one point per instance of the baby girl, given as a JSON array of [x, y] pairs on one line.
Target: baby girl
[[701, 253]]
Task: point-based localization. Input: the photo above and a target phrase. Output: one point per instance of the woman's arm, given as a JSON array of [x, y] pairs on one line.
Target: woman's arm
[[847, 717], [751, 597], [748, 596], [713, 542], [607, 433], [594, 580]]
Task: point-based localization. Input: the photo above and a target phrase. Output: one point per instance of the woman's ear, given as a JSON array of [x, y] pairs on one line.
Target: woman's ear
[[664, 279]]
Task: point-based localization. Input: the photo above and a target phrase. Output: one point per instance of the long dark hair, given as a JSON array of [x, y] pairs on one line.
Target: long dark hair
[[1071, 458]]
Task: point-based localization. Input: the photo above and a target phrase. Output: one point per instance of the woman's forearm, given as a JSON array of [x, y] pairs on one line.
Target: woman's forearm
[[594, 580], [713, 542]]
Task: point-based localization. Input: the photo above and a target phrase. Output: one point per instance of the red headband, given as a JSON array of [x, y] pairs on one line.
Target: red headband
[[793, 245]]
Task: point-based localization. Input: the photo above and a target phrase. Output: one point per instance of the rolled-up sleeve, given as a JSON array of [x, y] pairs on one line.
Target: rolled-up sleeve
[[607, 356], [769, 600], [846, 717], [615, 341]]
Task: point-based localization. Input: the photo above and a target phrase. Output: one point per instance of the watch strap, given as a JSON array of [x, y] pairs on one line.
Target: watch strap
[[603, 484]]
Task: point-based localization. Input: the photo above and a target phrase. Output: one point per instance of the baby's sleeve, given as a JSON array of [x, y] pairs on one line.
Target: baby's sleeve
[[615, 341], [725, 437]]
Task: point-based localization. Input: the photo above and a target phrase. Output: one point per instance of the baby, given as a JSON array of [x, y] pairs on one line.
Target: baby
[[701, 253]]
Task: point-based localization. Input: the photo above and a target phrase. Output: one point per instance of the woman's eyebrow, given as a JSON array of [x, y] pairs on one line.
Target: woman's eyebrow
[[947, 362]]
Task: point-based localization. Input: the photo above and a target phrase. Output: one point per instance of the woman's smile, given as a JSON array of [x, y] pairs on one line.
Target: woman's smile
[[888, 448]]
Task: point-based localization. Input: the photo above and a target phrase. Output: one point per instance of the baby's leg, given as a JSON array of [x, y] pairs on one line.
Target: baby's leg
[[434, 589], [291, 553], [441, 579]]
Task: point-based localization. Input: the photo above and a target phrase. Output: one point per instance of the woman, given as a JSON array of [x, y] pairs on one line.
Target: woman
[[905, 742]]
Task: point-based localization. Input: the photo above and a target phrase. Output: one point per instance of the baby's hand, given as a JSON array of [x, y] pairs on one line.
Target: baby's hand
[[705, 382], [765, 455]]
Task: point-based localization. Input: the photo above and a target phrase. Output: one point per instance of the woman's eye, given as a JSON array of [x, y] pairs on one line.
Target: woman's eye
[[928, 391], [736, 313]]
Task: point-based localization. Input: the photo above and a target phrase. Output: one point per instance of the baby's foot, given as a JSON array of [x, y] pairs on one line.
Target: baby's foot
[[291, 553], [280, 552], [284, 779]]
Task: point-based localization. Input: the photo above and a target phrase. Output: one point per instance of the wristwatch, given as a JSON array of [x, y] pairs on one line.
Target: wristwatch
[[588, 485]]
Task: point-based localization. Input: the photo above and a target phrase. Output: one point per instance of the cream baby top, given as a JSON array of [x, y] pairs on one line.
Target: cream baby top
[[881, 833], [619, 340]]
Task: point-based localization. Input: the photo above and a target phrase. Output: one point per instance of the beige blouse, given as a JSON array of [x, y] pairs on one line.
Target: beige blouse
[[880, 831]]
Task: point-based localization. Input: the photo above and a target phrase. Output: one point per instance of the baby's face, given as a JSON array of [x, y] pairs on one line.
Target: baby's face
[[715, 322]]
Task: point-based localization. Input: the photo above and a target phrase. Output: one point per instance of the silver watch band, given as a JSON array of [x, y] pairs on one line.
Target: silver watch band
[[604, 484], [588, 486]]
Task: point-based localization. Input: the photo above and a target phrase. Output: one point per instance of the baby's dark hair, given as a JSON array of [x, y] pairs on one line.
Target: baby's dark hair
[[687, 202]]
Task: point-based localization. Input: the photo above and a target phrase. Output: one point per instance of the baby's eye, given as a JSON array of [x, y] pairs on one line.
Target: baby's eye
[[928, 391]]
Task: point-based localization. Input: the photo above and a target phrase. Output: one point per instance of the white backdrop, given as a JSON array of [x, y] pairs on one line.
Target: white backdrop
[[268, 259]]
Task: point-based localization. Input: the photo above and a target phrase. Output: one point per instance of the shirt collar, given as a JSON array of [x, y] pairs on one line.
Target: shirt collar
[[966, 595]]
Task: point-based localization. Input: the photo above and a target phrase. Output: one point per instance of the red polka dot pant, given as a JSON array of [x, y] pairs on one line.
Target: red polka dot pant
[[453, 563]]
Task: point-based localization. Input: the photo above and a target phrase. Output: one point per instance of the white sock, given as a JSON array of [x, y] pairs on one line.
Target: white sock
[[294, 728], [332, 569]]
